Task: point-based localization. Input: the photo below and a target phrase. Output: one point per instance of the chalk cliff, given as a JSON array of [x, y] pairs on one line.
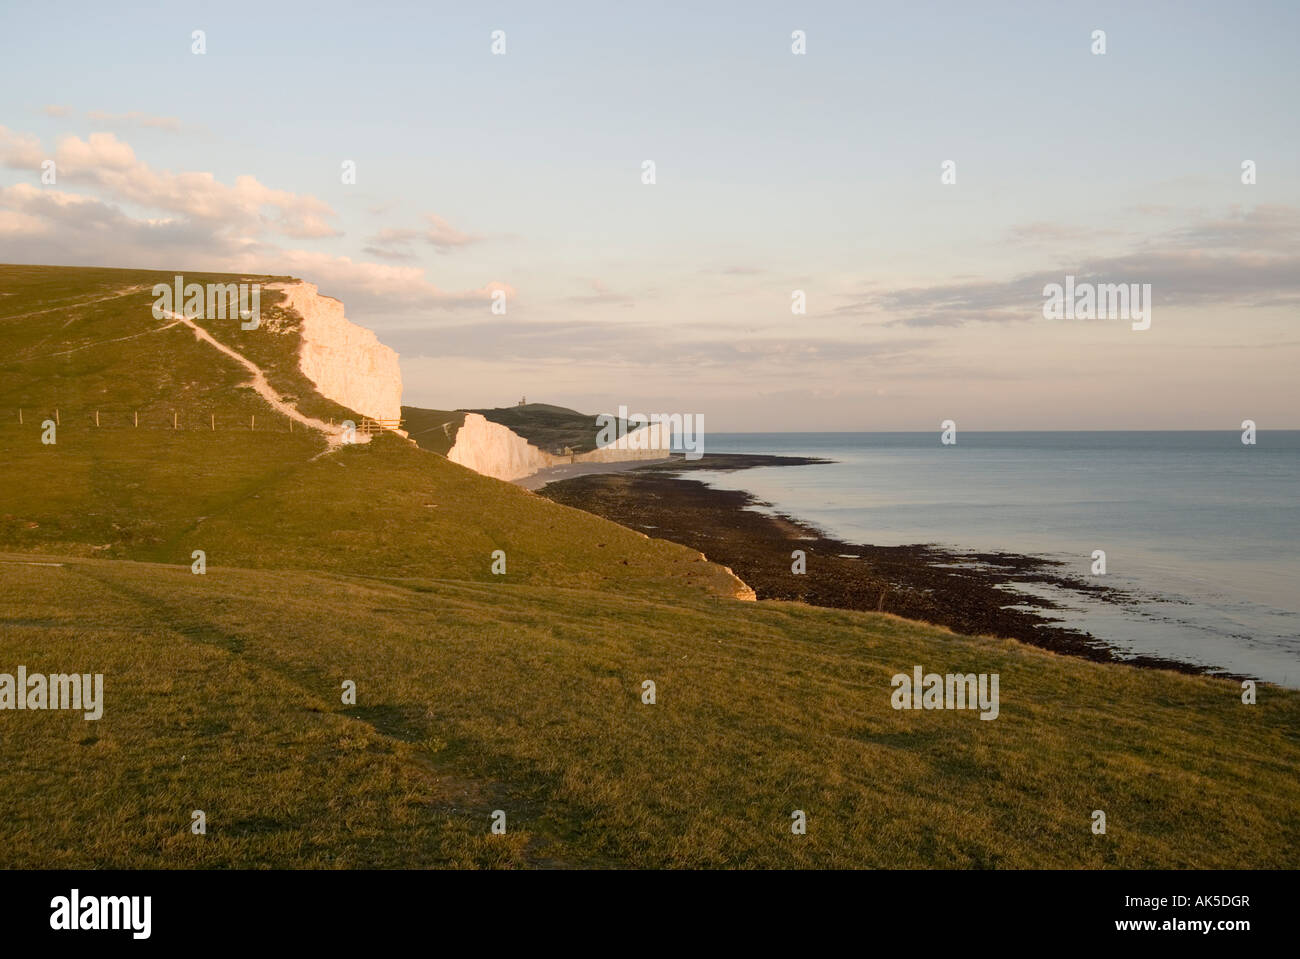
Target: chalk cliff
[[498, 451], [495, 450], [346, 362], [349, 365]]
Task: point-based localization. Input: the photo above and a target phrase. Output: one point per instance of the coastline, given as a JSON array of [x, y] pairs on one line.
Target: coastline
[[555, 474], [967, 592]]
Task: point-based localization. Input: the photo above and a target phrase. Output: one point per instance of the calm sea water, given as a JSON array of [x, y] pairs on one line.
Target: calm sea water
[[1202, 531]]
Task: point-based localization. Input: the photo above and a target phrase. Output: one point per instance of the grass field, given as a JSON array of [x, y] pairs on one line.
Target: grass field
[[518, 692], [551, 428]]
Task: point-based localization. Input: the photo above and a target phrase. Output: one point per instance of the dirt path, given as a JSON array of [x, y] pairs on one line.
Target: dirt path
[[259, 382]]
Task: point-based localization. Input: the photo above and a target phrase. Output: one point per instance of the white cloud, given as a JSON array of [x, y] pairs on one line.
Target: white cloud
[[1245, 258], [104, 161], [443, 235], [394, 243], [365, 282], [20, 151], [205, 224]]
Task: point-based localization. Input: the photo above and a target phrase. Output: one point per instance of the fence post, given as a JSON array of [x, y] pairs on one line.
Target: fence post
[[20, 416], [96, 417], [174, 420], [214, 422], [137, 419]]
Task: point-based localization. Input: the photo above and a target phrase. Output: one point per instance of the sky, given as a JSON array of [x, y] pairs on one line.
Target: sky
[[523, 173]]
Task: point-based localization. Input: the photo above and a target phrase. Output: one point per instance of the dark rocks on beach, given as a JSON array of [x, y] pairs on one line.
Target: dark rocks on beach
[[965, 592], [730, 462]]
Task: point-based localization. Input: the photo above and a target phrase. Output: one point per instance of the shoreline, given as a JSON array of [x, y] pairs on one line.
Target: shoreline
[[555, 474], [966, 592]]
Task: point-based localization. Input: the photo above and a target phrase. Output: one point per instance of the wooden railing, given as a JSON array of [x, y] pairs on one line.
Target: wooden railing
[[371, 426]]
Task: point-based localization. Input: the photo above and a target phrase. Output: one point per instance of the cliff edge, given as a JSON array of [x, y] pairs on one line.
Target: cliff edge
[[345, 362]]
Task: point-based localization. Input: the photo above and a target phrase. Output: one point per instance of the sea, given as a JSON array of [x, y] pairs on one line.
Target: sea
[[1201, 532]]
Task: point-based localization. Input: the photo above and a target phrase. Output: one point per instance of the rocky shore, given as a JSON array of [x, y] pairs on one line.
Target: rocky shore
[[969, 593]]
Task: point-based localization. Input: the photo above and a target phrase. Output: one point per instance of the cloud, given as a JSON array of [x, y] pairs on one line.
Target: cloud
[[392, 244], [596, 346], [249, 207], [375, 286], [443, 235], [20, 151], [601, 295], [134, 118], [1263, 228], [194, 223], [396, 243], [1045, 232], [53, 205], [1153, 209], [50, 225], [1245, 258]]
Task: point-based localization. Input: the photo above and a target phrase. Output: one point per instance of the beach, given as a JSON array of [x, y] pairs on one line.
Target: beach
[[555, 474], [966, 592]]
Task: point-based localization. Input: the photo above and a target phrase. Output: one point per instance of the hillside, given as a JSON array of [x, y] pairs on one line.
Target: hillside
[[520, 692], [433, 430], [253, 493], [549, 428], [510, 443]]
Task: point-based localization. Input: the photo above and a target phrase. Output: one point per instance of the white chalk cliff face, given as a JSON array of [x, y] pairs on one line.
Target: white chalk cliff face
[[495, 450], [346, 362], [498, 451]]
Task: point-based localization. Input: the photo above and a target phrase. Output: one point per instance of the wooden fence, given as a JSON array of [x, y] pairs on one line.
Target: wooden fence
[[176, 419]]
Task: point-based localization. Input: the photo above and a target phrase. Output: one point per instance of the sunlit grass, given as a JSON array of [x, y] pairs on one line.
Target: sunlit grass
[[520, 692]]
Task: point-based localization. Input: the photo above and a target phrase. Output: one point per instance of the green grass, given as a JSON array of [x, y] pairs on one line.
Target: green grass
[[261, 500], [549, 428], [433, 430], [482, 696], [519, 692], [72, 343]]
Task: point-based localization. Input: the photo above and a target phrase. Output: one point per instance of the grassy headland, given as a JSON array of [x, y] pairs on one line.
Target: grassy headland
[[520, 692]]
